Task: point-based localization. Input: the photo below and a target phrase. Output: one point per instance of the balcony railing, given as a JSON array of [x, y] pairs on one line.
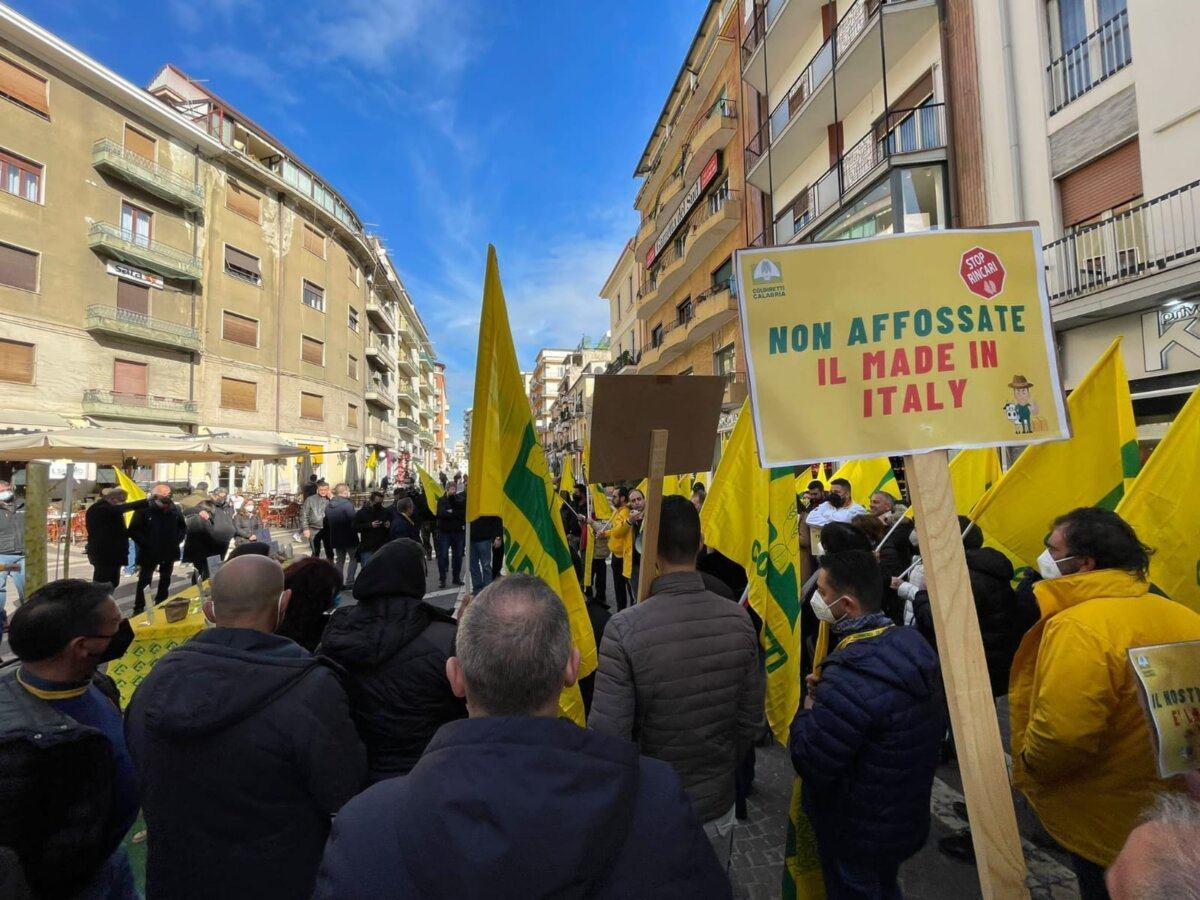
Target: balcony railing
[[382, 314], [108, 155], [908, 131], [378, 351], [735, 389], [383, 433], [97, 401], [1101, 54], [137, 249], [139, 326], [763, 19], [1148, 238]]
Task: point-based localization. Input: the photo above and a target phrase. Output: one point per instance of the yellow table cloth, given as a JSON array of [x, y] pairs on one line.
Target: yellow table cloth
[[151, 641]]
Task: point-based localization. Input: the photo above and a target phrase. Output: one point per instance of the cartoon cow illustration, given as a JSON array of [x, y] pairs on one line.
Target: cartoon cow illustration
[[1022, 410]]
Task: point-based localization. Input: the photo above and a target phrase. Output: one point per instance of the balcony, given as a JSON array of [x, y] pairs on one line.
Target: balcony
[[108, 239], [646, 233], [135, 326], [425, 388], [712, 310], [380, 395], [382, 434], [736, 390], [405, 394], [426, 436], [139, 407], [786, 23], [380, 354], [798, 123], [1144, 242], [914, 135], [669, 348], [405, 333], [406, 364], [111, 158], [407, 425], [1099, 56], [710, 134], [381, 314]]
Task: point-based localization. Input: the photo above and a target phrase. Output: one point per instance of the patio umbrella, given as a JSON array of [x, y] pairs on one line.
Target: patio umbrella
[[112, 446], [305, 467], [352, 478]]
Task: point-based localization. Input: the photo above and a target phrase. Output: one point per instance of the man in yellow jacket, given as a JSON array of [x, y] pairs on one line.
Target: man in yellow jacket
[[621, 535], [1080, 744]]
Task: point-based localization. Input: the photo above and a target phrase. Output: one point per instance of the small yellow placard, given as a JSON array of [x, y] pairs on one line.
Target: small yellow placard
[[1168, 677]]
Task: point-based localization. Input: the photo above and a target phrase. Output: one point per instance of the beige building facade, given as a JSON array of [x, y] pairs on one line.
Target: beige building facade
[[166, 264], [620, 292]]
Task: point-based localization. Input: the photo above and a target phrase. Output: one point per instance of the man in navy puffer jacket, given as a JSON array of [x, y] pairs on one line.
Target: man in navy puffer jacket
[[867, 743]]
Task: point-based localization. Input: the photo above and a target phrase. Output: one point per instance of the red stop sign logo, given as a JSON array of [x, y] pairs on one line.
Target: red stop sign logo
[[982, 272]]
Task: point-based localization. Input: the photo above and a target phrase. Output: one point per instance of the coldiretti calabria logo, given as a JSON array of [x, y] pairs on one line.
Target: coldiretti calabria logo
[[767, 280]]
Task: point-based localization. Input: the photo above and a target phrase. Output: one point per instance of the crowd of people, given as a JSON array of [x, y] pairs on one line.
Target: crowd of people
[[386, 747]]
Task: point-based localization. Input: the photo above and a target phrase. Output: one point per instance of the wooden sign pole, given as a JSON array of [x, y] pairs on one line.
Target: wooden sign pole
[[994, 834], [654, 483], [37, 501]]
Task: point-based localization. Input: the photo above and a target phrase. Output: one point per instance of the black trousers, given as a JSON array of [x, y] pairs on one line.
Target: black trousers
[[320, 538], [620, 583], [600, 580], [145, 574], [107, 575], [497, 561]]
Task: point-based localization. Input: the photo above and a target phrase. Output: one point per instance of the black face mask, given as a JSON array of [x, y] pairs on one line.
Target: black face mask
[[837, 501], [164, 501], [117, 646]]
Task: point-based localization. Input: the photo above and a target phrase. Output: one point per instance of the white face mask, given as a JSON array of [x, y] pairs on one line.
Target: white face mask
[[1049, 566], [6, 495], [823, 610]]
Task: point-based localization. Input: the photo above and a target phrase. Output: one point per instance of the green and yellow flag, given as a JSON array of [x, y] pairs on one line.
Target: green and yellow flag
[[1093, 468], [866, 476], [510, 477], [1161, 507], [433, 489], [750, 516], [132, 491]]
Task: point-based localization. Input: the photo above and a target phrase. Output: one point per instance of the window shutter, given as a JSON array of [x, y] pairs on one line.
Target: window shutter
[[129, 377], [238, 394], [351, 416], [312, 350], [314, 241], [244, 261], [18, 268], [1101, 185], [23, 86], [239, 329], [133, 297], [16, 362], [139, 143], [352, 366], [312, 406], [242, 201]]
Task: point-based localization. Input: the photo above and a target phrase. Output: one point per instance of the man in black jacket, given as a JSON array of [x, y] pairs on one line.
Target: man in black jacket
[[340, 532], [157, 530], [374, 526], [515, 802], [68, 790], [245, 748], [108, 535], [451, 532], [394, 648], [404, 523]]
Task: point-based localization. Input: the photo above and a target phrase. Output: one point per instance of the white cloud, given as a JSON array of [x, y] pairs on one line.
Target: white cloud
[[372, 34]]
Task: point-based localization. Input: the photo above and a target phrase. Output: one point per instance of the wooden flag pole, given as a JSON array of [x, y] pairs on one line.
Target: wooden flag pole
[[37, 502], [654, 483], [994, 834]]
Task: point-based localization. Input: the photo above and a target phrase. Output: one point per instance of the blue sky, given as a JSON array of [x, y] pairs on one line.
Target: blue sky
[[445, 124]]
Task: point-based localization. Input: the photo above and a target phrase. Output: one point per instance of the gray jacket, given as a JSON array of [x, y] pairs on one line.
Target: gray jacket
[[679, 675], [312, 513], [12, 527]]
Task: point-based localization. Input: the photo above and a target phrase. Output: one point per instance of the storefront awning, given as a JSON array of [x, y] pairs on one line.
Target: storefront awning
[[113, 446]]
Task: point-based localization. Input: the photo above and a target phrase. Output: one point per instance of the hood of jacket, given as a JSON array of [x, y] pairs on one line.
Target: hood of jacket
[[898, 657], [396, 570], [991, 562], [472, 791], [219, 678]]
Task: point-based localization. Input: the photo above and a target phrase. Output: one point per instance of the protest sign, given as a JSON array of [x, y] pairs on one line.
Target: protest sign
[[1168, 680], [899, 344]]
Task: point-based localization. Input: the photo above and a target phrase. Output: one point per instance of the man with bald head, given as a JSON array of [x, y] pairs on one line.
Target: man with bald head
[[245, 749]]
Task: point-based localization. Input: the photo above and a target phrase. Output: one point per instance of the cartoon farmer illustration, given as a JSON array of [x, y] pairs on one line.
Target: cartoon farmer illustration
[[1024, 407]]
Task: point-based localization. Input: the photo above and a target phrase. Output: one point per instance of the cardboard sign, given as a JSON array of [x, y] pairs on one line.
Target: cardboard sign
[[899, 344], [1168, 679], [627, 408]]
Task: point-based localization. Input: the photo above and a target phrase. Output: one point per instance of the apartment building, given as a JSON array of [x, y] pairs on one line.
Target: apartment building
[[625, 328], [571, 413], [167, 264], [691, 202], [1092, 127], [548, 370], [441, 420]]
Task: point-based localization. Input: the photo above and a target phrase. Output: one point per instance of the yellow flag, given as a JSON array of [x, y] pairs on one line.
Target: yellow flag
[[642, 486], [132, 491], [601, 508], [567, 482], [373, 459], [433, 489], [1161, 507], [510, 477], [866, 476], [750, 516], [1093, 468], [972, 473]]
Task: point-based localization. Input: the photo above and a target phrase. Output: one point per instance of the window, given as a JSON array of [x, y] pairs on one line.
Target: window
[[355, 271], [133, 297], [136, 224], [313, 295], [352, 366], [352, 319], [312, 406], [130, 378], [683, 312], [20, 177], [242, 265], [722, 276], [314, 241], [18, 267], [312, 350], [239, 329], [1103, 184], [242, 201], [351, 415], [238, 394], [656, 336], [16, 361], [22, 86], [139, 142], [723, 361]]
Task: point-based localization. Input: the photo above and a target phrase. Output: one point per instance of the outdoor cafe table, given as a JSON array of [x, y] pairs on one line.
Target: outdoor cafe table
[[152, 640]]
